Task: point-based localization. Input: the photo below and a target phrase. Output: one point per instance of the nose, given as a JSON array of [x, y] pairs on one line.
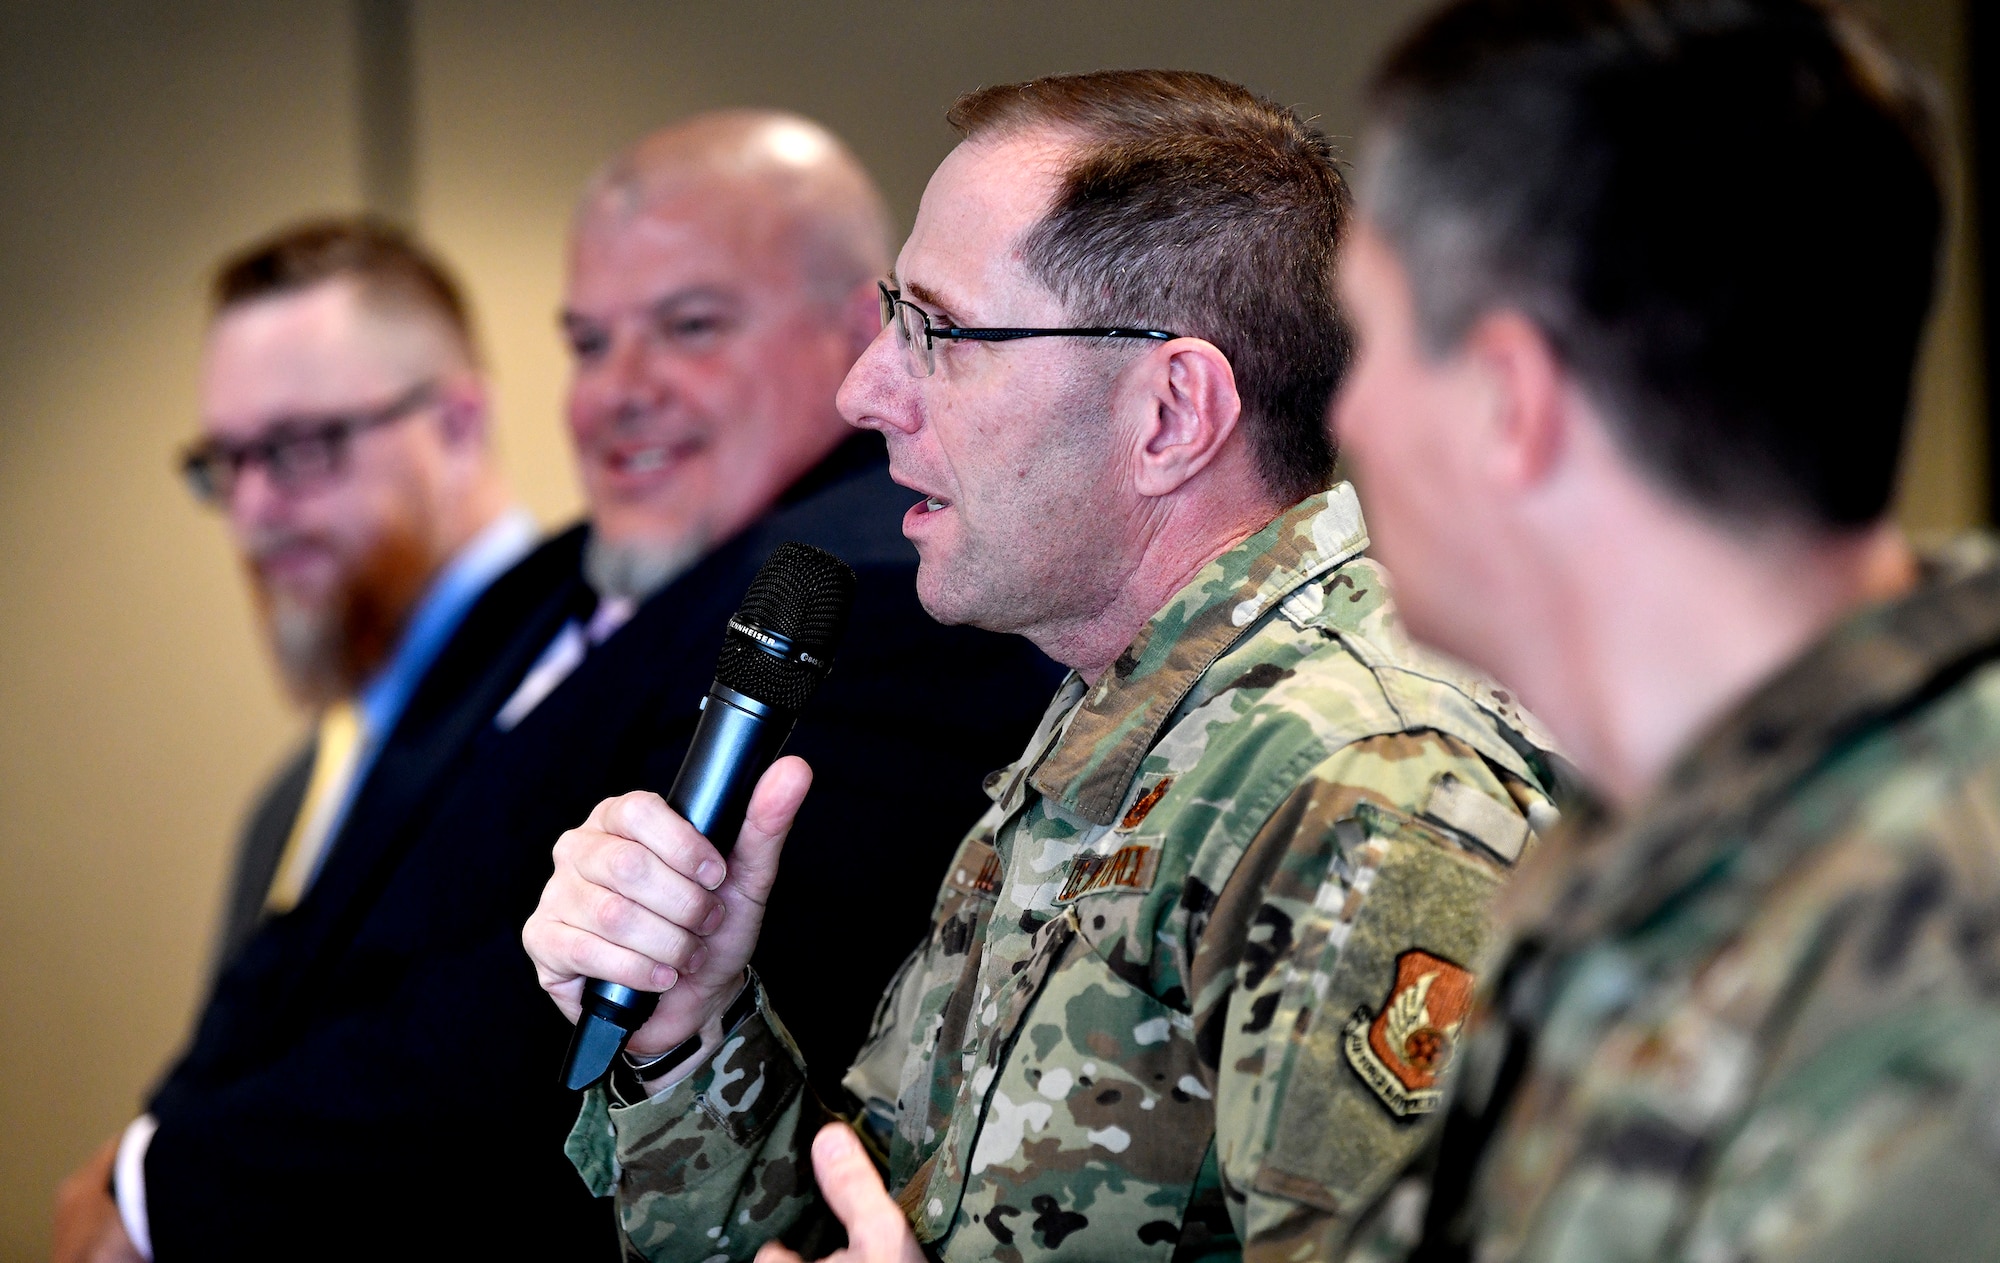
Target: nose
[[628, 378], [255, 500], [879, 393]]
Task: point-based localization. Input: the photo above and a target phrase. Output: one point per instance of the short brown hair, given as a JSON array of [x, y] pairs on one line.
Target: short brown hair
[[1724, 215], [1195, 205], [389, 265]]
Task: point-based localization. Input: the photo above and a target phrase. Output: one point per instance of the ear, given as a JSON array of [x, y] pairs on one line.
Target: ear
[[1527, 414], [1184, 394], [463, 411]]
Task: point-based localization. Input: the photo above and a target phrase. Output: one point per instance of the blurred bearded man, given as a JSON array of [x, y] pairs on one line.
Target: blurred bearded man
[[345, 441]]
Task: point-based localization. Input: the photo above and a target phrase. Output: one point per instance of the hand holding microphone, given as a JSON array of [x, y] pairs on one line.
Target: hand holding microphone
[[630, 903], [643, 900]]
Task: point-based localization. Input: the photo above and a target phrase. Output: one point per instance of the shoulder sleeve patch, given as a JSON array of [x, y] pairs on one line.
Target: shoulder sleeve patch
[[1466, 810], [1361, 1073], [1401, 1052]]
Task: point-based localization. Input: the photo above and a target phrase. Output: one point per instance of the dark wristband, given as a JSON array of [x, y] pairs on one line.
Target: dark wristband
[[634, 1083]]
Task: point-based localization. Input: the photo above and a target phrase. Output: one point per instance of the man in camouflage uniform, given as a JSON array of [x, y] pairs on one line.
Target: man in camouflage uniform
[[1628, 436], [1192, 980]]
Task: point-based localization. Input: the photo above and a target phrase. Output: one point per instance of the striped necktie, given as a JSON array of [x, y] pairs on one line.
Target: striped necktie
[[335, 756]]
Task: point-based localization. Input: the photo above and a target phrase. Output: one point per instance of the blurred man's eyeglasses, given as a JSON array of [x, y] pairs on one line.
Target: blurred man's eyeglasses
[[297, 453], [918, 336]]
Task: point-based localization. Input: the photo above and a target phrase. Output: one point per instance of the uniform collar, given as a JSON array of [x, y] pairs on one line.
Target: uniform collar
[[1092, 764], [1873, 670]]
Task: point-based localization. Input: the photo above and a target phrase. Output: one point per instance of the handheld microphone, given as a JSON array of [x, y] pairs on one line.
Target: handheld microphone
[[774, 654]]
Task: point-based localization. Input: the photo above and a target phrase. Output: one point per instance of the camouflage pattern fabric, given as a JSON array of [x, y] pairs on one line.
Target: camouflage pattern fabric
[[1190, 982], [1760, 1020]]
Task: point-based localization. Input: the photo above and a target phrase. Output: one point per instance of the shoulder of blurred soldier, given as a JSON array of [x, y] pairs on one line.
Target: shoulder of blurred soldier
[[1789, 966]]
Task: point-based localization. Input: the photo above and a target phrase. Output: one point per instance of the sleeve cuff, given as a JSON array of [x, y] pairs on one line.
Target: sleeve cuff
[[735, 1097], [636, 1079], [128, 1182]]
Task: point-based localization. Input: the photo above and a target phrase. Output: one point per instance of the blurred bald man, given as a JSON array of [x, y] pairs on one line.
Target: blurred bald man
[[721, 282]]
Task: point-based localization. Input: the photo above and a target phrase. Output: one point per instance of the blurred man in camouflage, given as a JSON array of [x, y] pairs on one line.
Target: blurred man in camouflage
[[1192, 979], [1638, 288]]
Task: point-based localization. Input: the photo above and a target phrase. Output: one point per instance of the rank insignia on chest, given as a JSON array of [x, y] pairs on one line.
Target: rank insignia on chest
[[1128, 868], [1402, 1052], [975, 870], [1144, 804]]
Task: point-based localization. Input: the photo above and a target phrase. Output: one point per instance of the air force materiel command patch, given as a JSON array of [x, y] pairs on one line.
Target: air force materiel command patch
[[1402, 1052]]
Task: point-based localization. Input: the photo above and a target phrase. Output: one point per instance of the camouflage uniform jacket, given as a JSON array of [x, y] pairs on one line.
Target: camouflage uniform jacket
[[1190, 979], [1760, 1019]]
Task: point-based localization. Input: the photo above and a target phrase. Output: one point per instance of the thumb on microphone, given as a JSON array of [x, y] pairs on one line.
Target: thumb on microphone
[[774, 804]]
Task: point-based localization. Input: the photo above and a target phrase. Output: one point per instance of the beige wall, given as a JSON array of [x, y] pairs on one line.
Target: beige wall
[[136, 144], [135, 712], [1944, 474], [519, 101]]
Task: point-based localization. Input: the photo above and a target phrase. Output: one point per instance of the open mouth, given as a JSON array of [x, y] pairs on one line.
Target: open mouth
[[639, 461], [923, 510]]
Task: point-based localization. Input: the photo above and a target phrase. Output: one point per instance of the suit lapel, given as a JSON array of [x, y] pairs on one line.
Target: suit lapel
[[257, 859], [493, 648], [657, 667]]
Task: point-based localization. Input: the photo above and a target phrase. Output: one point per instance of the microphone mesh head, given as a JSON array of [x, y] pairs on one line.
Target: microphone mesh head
[[802, 594]]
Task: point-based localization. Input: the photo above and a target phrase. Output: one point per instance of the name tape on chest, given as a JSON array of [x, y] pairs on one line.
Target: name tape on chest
[[1129, 868]]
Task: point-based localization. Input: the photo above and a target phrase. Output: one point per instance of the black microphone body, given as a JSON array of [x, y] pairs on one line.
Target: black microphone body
[[737, 738], [777, 649]]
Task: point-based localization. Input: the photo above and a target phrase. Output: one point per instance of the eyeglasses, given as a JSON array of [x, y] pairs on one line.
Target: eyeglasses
[[296, 452], [918, 336]]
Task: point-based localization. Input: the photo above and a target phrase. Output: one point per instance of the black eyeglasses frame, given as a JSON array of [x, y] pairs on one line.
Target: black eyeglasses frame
[[892, 299], [202, 464]]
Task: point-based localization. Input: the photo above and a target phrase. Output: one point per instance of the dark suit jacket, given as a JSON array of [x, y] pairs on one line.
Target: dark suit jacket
[[363, 1050]]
